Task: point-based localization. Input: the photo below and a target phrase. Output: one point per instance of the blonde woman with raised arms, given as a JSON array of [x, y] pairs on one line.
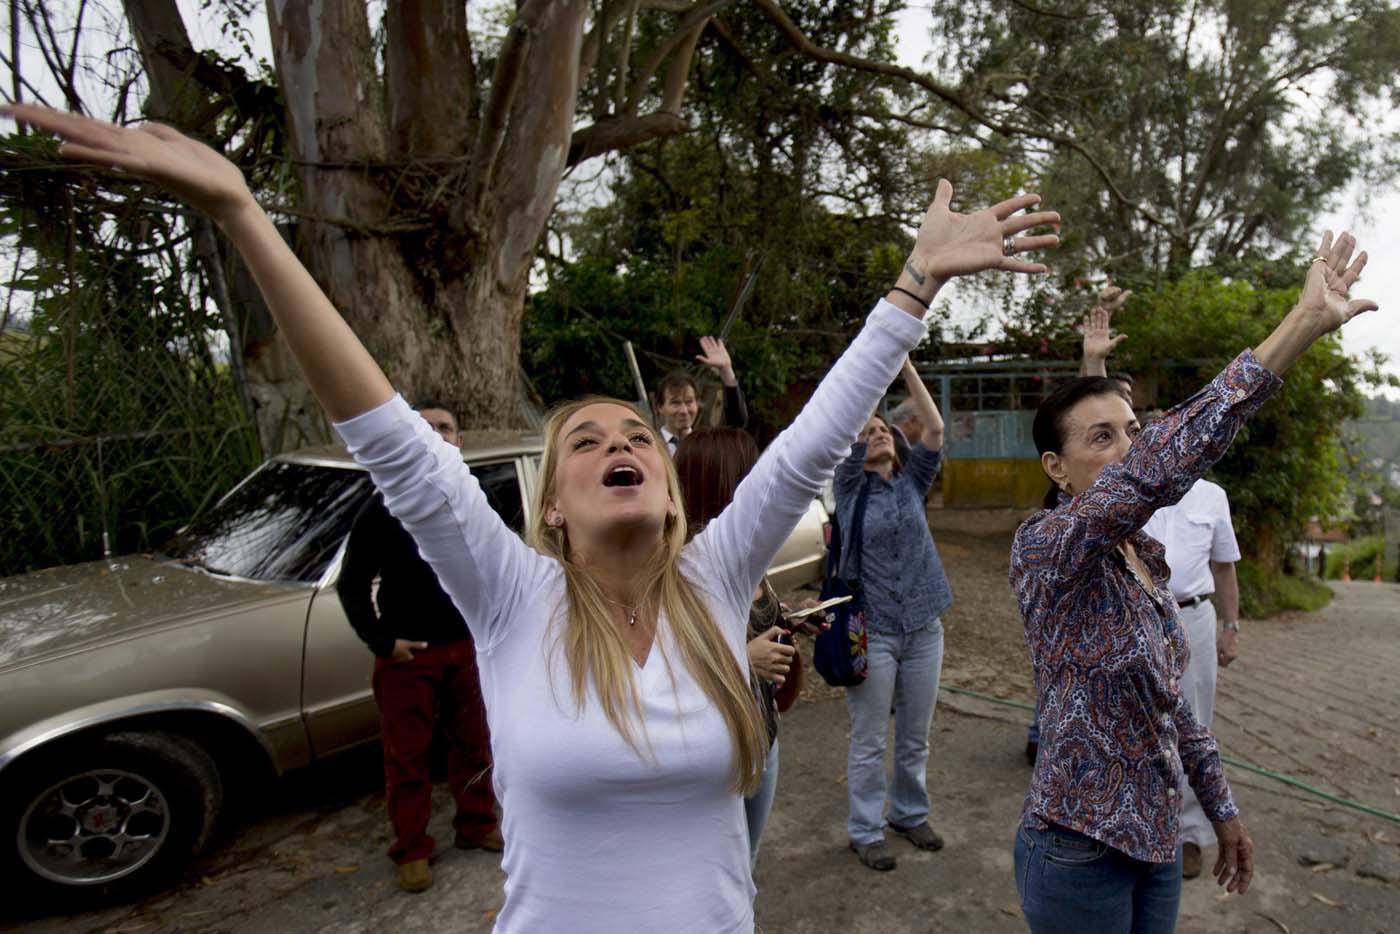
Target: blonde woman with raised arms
[[612, 653]]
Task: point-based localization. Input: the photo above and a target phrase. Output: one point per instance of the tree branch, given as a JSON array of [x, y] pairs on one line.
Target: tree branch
[[427, 75], [510, 66], [52, 56], [953, 98], [593, 43], [624, 60], [692, 22], [621, 132]]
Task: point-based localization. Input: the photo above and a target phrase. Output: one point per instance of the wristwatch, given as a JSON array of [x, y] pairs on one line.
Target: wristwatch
[[1231, 625]]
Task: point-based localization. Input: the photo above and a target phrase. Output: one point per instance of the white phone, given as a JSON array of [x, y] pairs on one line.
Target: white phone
[[824, 605]]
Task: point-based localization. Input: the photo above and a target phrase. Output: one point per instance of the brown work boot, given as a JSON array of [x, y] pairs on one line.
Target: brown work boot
[[490, 841], [1190, 860], [415, 875]]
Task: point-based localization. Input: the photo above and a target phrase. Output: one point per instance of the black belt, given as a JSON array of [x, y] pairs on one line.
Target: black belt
[[1192, 601]]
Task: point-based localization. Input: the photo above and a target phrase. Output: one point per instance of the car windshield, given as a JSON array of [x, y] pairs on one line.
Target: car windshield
[[284, 524]]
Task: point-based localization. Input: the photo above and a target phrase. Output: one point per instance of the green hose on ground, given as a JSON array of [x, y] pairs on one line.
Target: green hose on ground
[[1344, 802]]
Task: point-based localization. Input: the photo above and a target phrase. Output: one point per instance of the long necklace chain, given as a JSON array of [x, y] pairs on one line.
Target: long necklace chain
[[631, 610]]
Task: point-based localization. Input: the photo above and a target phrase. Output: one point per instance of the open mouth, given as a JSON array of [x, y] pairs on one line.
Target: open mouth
[[623, 475]]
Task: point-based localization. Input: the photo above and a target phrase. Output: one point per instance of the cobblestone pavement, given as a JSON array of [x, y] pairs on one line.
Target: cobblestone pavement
[[1313, 696]]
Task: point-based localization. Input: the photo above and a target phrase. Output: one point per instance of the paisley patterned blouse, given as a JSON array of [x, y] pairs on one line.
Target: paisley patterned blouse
[[1116, 734]]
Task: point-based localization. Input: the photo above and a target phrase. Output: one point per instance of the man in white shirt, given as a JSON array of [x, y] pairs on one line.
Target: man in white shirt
[[1201, 552]]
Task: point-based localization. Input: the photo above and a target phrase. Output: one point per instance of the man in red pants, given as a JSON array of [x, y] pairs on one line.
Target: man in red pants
[[425, 671]]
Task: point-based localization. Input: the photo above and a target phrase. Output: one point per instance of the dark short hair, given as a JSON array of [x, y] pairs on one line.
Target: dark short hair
[[710, 462], [430, 402], [1052, 417], [677, 380]]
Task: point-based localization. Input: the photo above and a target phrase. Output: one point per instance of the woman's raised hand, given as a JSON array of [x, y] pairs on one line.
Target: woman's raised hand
[[1329, 280], [189, 169], [951, 244], [1322, 307]]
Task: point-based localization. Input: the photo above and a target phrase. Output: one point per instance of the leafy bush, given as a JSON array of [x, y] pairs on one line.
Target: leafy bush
[[119, 419], [1264, 594], [1362, 555]]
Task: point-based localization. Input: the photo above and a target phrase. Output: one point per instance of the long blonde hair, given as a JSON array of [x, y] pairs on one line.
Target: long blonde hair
[[594, 648]]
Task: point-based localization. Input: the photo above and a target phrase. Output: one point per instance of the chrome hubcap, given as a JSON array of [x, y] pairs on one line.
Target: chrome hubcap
[[94, 827]]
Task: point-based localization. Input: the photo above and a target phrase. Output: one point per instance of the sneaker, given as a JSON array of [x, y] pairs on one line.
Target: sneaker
[[491, 841], [1190, 860], [874, 855], [922, 836], [415, 875]]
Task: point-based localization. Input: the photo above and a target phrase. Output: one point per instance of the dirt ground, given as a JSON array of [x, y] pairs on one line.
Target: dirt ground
[[1311, 696]]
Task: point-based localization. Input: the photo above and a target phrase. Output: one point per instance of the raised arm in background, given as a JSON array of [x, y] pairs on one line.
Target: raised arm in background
[[1098, 339], [716, 356], [929, 416]]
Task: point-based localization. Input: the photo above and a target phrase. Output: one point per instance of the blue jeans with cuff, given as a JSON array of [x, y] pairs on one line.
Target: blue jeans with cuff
[[903, 669], [1070, 883]]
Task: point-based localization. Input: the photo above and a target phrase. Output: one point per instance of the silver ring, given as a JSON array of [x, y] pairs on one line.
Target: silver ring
[[1008, 246]]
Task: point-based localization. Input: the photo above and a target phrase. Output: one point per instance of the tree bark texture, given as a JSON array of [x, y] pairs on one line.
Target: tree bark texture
[[424, 188], [427, 253]]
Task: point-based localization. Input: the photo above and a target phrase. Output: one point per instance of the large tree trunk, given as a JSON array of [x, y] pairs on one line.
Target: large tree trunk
[[423, 197], [431, 275]]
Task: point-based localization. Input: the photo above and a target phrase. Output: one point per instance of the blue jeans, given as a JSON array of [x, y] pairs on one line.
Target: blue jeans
[[1070, 883], [903, 669], [760, 803]]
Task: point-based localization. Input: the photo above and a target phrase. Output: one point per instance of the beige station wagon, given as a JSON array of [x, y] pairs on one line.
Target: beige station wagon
[[139, 690]]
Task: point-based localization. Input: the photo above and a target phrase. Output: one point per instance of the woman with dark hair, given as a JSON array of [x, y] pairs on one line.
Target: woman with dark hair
[[611, 648], [710, 462], [1098, 846], [905, 593]]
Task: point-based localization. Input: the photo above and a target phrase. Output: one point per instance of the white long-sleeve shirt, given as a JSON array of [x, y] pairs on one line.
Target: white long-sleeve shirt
[[599, 839]]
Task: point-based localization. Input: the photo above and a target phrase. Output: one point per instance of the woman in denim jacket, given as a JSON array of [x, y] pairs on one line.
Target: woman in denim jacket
[[905, 592]]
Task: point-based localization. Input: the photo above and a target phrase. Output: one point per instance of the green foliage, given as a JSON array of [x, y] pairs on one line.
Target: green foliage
[[1288, 463], [116, 414], [789, 165], [1360, 555], [1266, 593]]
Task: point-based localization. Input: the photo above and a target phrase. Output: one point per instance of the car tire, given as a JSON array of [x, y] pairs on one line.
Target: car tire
[[118, 815]]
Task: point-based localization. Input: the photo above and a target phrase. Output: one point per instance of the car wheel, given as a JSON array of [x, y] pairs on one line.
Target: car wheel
[[122, 813]]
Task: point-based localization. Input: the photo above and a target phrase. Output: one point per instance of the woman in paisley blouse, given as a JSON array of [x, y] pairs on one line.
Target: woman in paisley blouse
[[1097, 847], [905, 592]]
